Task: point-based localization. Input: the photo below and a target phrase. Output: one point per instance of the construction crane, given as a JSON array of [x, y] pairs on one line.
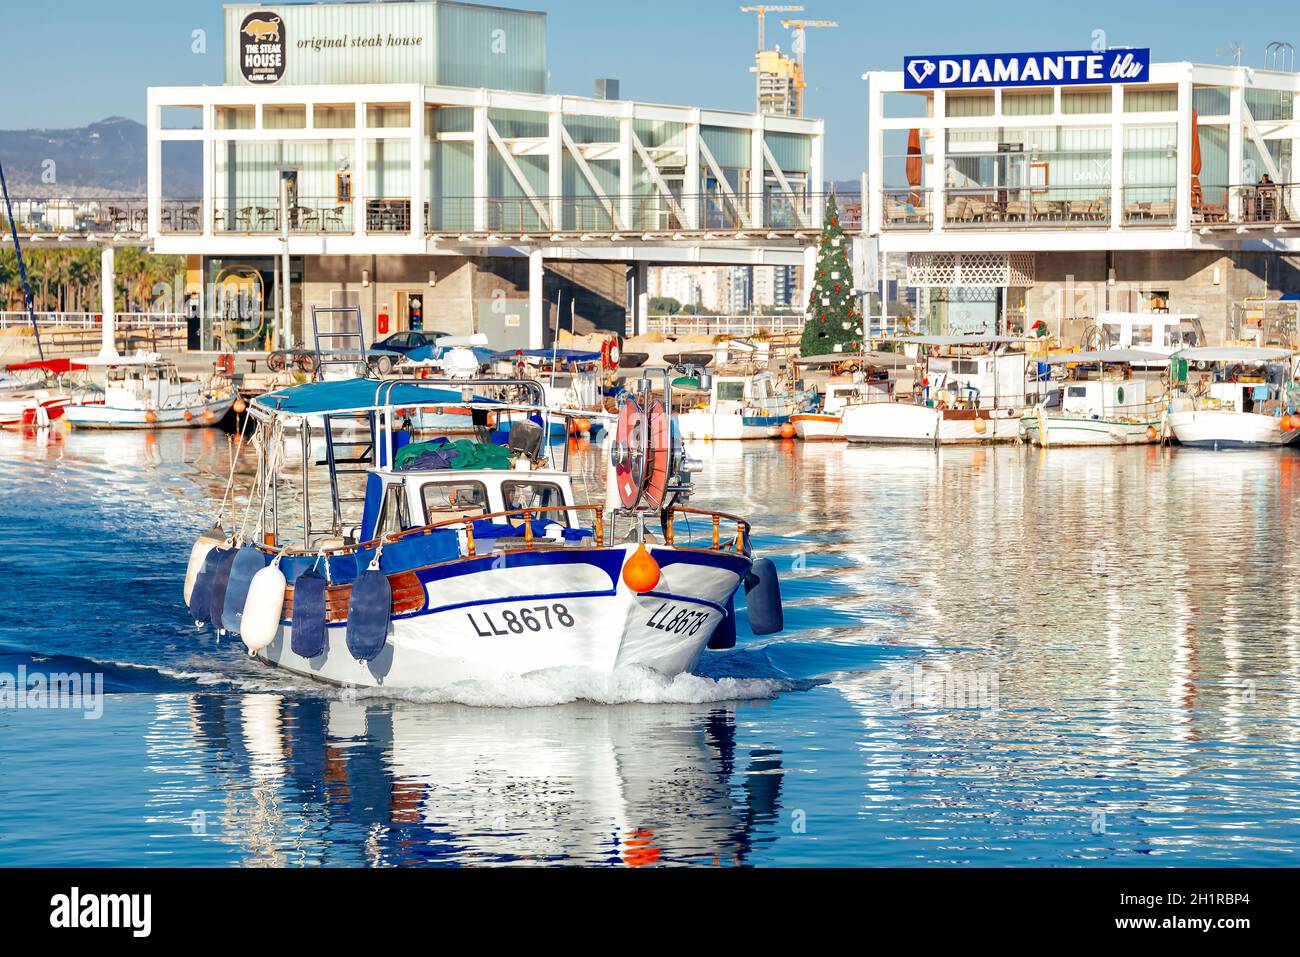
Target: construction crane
[[800, 43], [762, 12]]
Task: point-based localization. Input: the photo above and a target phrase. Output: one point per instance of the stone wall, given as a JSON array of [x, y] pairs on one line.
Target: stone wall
[[1072, 288]]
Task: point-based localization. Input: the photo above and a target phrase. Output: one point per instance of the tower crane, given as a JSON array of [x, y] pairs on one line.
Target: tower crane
[[763, 11], [800, 43]]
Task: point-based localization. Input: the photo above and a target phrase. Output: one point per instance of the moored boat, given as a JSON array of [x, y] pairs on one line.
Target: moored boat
[[1246, 397], [958, 398], [1106, 406], [744, 407], [145, 391], [35, 394]]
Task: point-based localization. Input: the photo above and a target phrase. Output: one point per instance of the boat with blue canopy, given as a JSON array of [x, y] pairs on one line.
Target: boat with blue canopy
[[406, 559]]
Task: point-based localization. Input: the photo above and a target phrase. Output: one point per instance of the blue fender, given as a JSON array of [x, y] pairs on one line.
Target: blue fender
[[763, 598], [220, 581], [201, 596], [248, 562], [309, 626], [369, 611], [724, 634]]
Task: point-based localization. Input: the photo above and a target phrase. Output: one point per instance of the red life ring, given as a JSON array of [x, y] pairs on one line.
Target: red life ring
[[226, 363]]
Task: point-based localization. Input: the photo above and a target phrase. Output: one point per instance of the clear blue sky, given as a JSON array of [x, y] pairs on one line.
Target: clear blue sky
[[71, 62]]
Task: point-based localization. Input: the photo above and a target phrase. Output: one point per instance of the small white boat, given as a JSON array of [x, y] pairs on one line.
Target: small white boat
[[35, 394], [1247, 397], [145, 391], [744, 407], [1101, 406], [866, 380], [960, 398]]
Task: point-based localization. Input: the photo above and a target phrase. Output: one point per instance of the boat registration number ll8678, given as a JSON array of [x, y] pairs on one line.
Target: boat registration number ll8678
[[521, 621], [677, 620]]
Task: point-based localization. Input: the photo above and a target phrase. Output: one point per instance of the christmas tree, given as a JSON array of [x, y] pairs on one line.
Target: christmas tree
[[832, 322]]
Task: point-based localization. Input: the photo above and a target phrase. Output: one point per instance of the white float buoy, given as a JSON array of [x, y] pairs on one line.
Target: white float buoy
[[198, 552], [263, 607]]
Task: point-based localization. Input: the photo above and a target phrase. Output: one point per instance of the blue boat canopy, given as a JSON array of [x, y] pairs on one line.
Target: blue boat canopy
[[569, 355], [348, 395], [425, 353]]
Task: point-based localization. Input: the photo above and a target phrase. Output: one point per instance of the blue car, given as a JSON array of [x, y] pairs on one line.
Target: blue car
[[404, 342]]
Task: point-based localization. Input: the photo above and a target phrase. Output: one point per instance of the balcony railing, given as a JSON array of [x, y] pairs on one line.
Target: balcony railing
[[1150, 205], [907, 208], [256, 214], [1022, 206], [82, 215], [725, 325], [1263, 204]]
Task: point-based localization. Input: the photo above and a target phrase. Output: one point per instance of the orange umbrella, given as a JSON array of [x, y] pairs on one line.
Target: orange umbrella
[[1198, 199], [914, 165]]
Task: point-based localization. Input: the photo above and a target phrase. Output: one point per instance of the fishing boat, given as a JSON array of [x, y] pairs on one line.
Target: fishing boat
[[1242, 396], [744, 406], [35, 394], [474, 560], [858, 377], [1103, 401], [146, 391], [958, 397], [573, 382]]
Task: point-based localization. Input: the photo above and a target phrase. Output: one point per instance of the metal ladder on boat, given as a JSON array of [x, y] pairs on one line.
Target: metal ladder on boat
[[356, 460], [344, 339]]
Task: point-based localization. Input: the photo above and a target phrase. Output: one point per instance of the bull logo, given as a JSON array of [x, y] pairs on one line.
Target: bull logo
[[262, 47], [263, 31]]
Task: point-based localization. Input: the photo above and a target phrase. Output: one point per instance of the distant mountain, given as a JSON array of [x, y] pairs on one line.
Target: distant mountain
[[107, 157]]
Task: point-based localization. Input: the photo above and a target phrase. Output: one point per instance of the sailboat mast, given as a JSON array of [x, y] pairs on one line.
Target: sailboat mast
[[22, 267]]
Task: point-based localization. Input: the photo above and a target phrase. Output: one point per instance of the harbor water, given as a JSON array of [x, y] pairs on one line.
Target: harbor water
[[993, 656]]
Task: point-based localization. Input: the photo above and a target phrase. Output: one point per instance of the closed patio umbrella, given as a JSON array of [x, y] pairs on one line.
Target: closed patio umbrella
[[1198, 199], [914, 165]]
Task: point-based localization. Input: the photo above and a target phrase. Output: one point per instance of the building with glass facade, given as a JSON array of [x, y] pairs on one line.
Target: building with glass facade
[[407, 156], [1054, 202]]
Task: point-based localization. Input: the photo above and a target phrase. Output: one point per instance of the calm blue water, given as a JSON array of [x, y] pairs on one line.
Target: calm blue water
[[994, 657]]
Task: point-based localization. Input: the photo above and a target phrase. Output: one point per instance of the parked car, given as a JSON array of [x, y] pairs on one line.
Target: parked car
[[404, 342]]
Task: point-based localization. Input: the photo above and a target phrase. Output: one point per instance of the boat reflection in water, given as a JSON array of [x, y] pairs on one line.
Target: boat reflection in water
[[364, 782]]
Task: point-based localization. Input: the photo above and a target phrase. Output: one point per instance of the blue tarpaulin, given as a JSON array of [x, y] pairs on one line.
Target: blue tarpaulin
[[568, 355], [351, 394]]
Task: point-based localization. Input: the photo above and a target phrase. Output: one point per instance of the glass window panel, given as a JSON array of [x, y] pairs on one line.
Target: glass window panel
[[335, 117], [388, 117], [284, 117], [1085, 101]]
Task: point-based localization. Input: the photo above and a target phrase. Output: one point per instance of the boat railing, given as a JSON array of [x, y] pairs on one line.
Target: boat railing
[[717, 543]]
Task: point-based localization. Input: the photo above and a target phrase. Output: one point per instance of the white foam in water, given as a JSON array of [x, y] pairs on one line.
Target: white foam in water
[[556, 686]]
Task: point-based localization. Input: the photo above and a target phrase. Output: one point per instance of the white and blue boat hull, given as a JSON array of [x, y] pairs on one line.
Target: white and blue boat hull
[[501, 616]]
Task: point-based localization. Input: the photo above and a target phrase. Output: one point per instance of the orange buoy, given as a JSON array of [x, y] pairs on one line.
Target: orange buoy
[[208, 415], [1287, 423], [239, 407], [189, 416], [788, 431], [1151, 433], [980, 426], [151, 417], [581, 425], [641, 571]]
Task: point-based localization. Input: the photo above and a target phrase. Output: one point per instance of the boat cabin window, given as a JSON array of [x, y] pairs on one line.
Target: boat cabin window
[[965, 367], [393, 516], [448, 500], [520, 495], [1077, 391], [731, 391]]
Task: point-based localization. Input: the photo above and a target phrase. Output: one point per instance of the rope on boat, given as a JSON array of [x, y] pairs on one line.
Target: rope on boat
[[230, 483]]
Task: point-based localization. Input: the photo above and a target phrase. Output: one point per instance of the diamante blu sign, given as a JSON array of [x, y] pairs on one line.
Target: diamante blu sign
[[975, 70]]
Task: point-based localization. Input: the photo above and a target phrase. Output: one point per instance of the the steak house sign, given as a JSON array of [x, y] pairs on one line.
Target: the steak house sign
[[263, 44]]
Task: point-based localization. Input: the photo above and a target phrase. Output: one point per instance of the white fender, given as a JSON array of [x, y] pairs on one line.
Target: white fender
[[198, 552], [263, 608]]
